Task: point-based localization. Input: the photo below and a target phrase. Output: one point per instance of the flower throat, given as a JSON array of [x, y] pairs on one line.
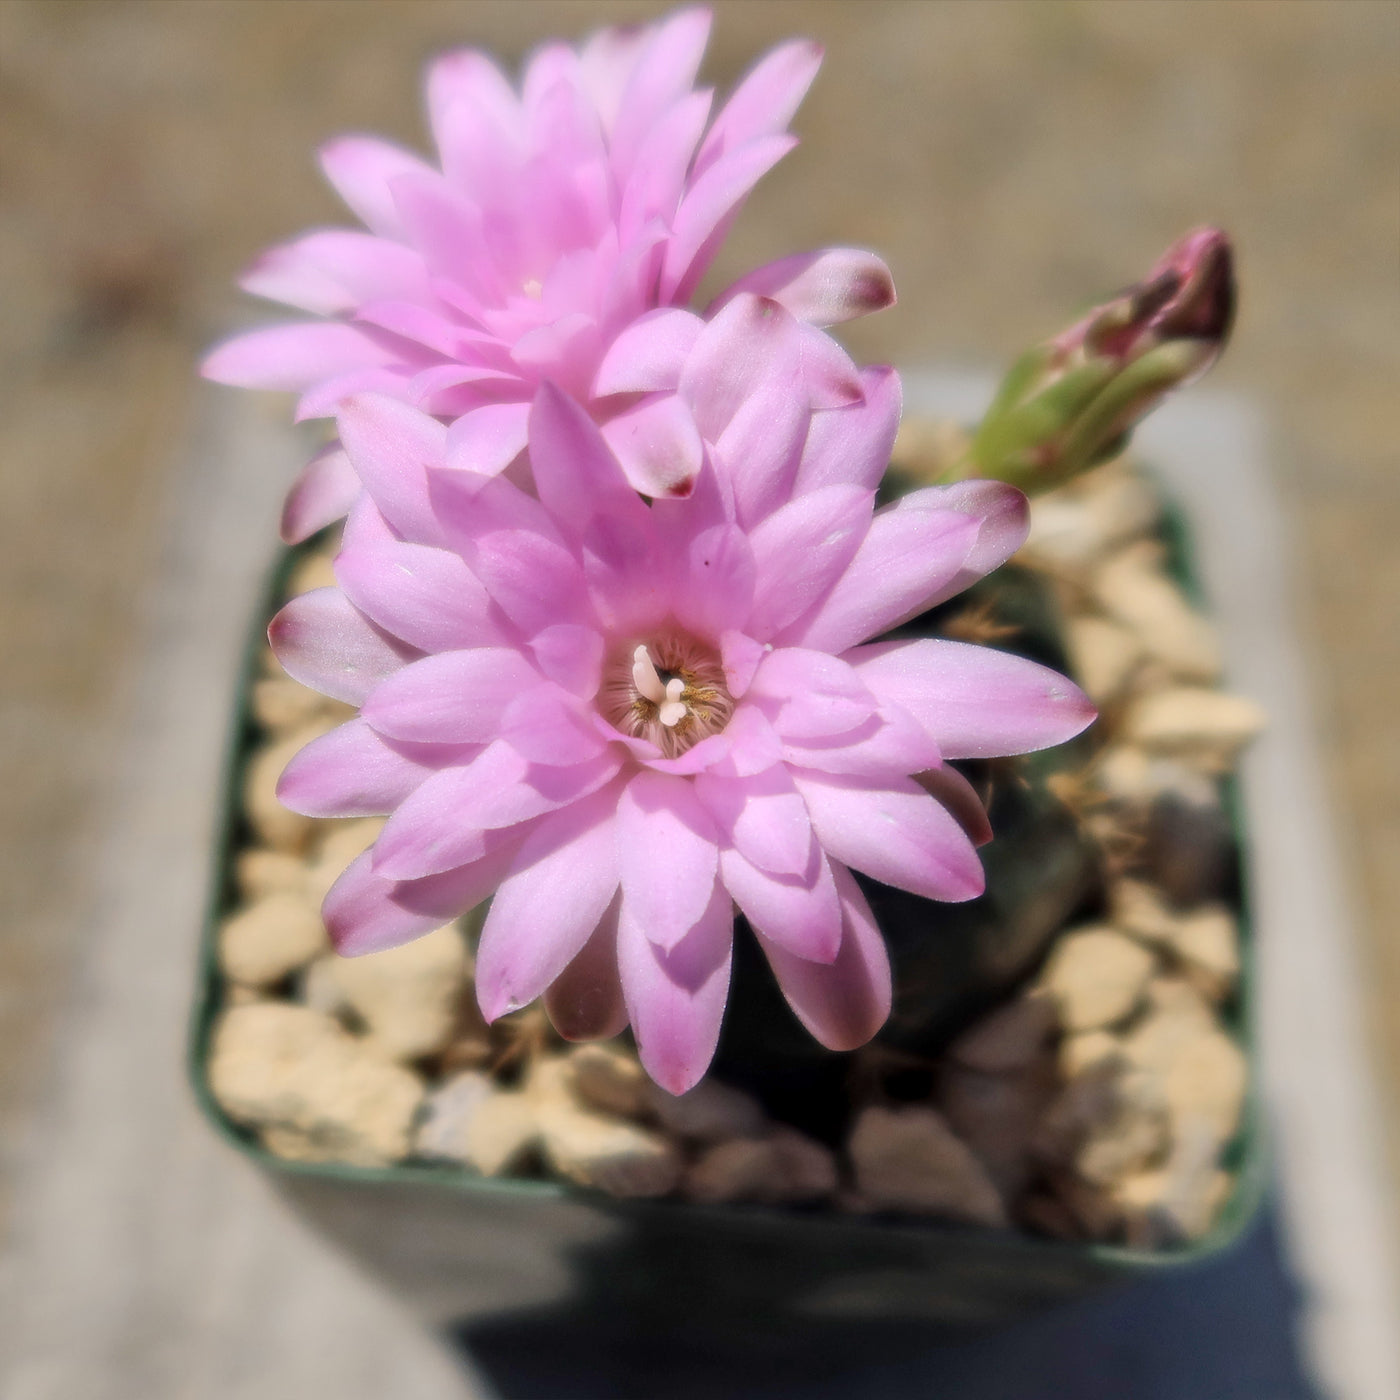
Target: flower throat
[[670, 690]]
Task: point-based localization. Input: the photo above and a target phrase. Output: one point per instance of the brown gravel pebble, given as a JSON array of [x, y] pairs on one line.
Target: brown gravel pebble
[[908, 1159], [270, 938], [406, 997], [258, 872], [314, 1091], [609, 1079], [1010, 1037], [619, 1158], [710, 1112], [1097, 976]]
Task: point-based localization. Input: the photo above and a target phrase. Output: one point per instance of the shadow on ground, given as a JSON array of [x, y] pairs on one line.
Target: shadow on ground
[[1223, 1330]]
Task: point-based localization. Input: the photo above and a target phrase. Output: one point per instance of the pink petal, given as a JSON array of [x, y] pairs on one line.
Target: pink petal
[[351, 772], [566, 350], [763, 817], [365, 913], [438, 826], [284, 274], [469, 103], [488, 439], [425, 595], [811, 695], [452, 401], [765, 101], [658, 445], [845, 1002], [800, 551], [324, 398], [734, 353], [324, 491], [896, 833], [761, 445], [629, 579], [740, 655], [716, 587], [420, 325], [571, 656], [293, 356], [449, 819], [391, 446], [630, 285], [332, 271], [675, 997], [361, 168], [708, 208], [510, 543], [649, 354], [606, 61], [831, 376], [753, 744], [323, 642], [1003, 516], [573, 283], [800, 913], [889, 744], [975, 701], [664, 73], [560, 885], [455, 697], [560, 116], [667, 856], [822, 288], [447, 229], [747, 745], [585, 1001], [549, 725], [854, 444], [657, 179], [574, 472], [903, 563], [950, 789], [678, 523]]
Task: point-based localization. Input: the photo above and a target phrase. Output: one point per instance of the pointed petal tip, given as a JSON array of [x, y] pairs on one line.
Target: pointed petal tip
[[225, 364], [285, 791], [494, 1002], [824, 287], [350, 937], [675, 1079], [971, 887]]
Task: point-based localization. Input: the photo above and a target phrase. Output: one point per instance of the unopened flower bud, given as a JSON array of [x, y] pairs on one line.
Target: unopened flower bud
[[1070, 403]]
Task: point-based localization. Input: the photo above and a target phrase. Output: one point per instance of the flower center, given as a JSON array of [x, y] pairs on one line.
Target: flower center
[[670, 690]]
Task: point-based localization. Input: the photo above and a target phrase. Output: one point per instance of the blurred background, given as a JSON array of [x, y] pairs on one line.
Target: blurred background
[[1012, 162]]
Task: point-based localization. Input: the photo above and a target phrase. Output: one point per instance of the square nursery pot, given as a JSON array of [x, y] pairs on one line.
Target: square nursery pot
[[466, 1250]]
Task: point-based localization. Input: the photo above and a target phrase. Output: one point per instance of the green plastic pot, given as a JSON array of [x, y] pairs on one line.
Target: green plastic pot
[[461, 1247]]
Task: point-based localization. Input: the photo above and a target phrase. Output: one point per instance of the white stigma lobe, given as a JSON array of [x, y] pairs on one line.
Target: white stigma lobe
[[646, 678], [674, 710]]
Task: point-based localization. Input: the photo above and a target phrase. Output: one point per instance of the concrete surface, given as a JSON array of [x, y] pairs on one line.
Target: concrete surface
[[1012, 161]]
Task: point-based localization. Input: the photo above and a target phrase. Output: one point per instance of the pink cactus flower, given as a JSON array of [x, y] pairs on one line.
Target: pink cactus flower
[[625, 719], [559, 214]]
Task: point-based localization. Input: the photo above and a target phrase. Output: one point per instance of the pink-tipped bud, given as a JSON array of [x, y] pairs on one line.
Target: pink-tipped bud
[[1188, 295], [1070, 403]]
